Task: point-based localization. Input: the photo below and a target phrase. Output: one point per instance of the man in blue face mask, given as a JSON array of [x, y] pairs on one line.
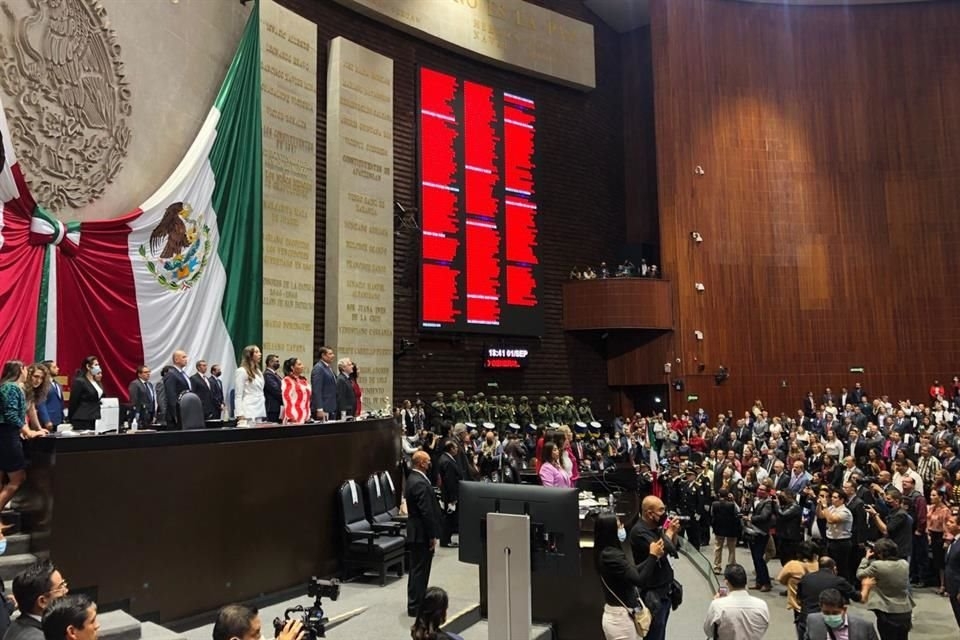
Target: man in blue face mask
[[834, 621]]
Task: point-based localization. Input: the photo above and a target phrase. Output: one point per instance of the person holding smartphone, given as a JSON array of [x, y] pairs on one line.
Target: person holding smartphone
[[734, 614]]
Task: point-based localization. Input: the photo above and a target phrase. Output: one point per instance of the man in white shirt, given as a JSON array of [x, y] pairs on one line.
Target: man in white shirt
[[736, 615], [903, 470]]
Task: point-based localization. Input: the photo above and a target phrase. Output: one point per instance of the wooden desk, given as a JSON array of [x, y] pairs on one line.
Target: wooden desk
[[177, 523]]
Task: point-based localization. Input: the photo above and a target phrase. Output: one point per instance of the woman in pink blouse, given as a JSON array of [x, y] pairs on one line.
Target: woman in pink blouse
[[937, 514], [296, 393], [551, 469]]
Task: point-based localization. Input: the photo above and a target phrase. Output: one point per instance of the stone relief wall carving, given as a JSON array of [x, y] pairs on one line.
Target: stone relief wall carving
[[61, 65]]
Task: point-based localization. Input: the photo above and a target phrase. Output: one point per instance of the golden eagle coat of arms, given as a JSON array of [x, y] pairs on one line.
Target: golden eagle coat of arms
[[178, 249]]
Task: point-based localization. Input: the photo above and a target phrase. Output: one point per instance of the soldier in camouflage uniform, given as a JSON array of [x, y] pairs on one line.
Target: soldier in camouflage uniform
[[524, 412], [439, 414], [460, 409], [586, 414]]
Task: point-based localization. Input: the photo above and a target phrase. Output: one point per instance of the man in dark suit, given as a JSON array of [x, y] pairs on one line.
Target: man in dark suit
[[323, 383], [423, 529], [174, 383], [143, 402], [200, 385], [34, 589], [726, 529], [834, 616], [450, 476], [952, 567], [814, 583], [54, 401], [216, 390], [346, 395], [272, 388]]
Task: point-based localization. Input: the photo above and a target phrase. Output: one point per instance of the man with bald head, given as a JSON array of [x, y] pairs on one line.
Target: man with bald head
[[652, 539], [177, 381], [423, 529]]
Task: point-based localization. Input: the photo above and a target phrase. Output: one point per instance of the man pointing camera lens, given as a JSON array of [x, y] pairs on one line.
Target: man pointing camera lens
[[242, 622]]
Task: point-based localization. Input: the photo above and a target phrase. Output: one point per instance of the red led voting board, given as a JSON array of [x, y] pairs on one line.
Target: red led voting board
[[478, 201]]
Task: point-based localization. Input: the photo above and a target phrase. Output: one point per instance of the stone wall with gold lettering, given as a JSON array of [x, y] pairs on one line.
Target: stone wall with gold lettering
[[359, 249], [510, 33], [288, 81]]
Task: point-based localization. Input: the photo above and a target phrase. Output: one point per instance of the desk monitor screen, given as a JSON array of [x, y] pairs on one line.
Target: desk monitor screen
[[554, 523]]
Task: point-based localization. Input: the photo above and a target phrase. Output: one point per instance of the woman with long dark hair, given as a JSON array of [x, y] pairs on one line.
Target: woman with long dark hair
[[620, 579], [551, 471], [13, 418], [85, 393], [431, 616], [296, 392]]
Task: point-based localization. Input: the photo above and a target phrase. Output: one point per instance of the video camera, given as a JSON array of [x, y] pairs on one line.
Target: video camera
[[313, 619]]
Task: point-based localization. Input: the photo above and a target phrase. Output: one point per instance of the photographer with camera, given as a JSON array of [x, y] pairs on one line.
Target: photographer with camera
[[242, 622], [839, 531], [896, 525]]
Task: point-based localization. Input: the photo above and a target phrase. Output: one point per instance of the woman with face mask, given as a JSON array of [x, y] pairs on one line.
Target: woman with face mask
[[85, 393], [620, 580]]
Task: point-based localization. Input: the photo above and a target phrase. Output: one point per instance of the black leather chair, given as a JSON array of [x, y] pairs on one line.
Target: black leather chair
[[381, 501], [367, 546], [191, 412]]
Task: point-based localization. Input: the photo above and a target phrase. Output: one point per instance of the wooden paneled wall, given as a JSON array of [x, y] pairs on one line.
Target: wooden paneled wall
[[581, 197], [618, 303], [829, 138]]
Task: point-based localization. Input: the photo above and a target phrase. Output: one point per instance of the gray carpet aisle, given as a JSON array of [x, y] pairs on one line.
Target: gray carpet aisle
[[385, 618]]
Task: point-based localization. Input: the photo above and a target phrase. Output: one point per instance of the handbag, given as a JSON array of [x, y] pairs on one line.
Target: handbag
[[676, 595], [641, 616]]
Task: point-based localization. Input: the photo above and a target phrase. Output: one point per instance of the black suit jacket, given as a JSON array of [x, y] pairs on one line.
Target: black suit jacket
[[173, 385], [859, 511], [216, 394], [788, 523], [272, 391], [724, 518], [205, 393], [142, 400], [952, 570], [450, 476], [346, 396], [424, 519], [84, 400], [812, 584]]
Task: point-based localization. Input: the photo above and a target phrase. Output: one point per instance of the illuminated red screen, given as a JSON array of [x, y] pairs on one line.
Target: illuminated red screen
[[478, 201]]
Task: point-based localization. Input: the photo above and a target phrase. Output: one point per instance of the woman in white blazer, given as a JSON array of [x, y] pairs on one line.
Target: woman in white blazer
[[249, 400]]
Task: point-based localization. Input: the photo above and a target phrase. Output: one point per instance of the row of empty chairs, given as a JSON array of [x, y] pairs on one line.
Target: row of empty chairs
[[372, 528]]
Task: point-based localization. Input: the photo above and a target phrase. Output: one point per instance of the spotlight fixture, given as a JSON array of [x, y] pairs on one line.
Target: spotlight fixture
[[698, 170], [678, 384], [698, 335], [695, 235], [699, 286]]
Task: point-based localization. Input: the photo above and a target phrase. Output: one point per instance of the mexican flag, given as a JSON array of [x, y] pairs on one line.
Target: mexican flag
[[182, 271]]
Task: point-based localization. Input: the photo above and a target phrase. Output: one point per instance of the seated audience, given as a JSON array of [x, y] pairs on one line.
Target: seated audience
[[35, 589], [71, 618]]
